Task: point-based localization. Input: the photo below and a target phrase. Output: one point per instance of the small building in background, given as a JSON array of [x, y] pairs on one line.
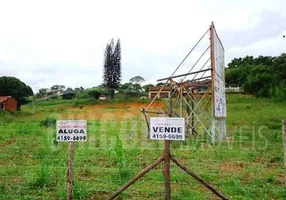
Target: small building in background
[[233, 89], [102, 97], [8, 103], [164, 93], [199, 87]]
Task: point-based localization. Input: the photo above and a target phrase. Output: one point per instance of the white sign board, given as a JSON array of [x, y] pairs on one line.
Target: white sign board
[[167, 128], [219, 80], [71, 130]]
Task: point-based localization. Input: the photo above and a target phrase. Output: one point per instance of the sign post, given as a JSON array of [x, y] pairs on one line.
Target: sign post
[[71, 131], [167, 128], [70, 171]]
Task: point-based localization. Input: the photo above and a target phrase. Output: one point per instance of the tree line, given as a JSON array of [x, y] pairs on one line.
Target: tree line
[[264, 76]]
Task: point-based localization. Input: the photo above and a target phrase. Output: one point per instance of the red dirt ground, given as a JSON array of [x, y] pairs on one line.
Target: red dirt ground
[[110, 112]]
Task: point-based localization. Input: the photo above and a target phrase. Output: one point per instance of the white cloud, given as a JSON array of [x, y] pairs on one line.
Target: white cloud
[[62, 42]]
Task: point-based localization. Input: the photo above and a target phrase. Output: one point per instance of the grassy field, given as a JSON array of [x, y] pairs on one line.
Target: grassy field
[[247, 165]]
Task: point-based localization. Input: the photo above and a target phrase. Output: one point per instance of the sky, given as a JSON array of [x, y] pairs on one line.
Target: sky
[[44, 43]]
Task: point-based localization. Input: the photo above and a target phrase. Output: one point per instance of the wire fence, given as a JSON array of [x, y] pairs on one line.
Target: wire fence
[[33, 165]]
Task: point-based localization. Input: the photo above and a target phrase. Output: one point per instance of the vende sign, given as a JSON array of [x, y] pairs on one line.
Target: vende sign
[[167, 128], [71, 130]]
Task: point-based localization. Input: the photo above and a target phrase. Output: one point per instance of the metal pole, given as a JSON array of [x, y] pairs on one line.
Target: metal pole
[[193, 116], [171, 99], [181, 101], [70, 171], [187, 74], [188, 117]]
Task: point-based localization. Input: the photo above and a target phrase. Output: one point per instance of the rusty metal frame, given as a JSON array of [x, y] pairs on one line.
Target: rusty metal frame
[[187, 74], [166, 157], [197, 104]]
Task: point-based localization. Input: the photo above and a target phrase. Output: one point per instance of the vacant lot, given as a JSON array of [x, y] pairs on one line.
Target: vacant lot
[[247, 165]]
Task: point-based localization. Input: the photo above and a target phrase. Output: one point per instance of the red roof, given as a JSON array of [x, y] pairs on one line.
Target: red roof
[[4, 98], [206, 82]]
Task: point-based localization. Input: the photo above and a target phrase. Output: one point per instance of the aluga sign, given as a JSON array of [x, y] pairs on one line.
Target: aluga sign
[[71, 130], [167, 128]]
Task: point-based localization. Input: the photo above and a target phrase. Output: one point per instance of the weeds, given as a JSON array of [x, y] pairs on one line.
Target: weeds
[[49, 122], [121, 160], [33, 165], [43, 177]]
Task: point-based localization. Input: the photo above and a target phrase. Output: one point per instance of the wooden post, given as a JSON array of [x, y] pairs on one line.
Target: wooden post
[[193, 114], [167, 170], [70, 171], [146, 119], [284, 143]]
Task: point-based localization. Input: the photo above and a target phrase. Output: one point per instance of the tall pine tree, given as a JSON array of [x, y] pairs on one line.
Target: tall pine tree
[[112, 66]]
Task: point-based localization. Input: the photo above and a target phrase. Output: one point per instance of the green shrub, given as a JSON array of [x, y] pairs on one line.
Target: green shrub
[[49, 122], [279, 92], [82, 95], [121, 161], [119, 152]]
